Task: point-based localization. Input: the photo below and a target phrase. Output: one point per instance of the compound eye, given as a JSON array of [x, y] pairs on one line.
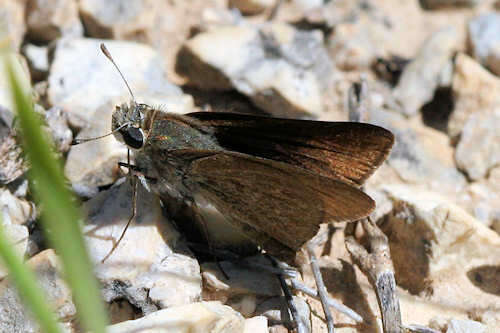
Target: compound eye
[[133, 137]]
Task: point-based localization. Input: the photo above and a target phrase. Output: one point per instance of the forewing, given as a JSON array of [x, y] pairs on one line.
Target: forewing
[[284, 202], [347, 151]]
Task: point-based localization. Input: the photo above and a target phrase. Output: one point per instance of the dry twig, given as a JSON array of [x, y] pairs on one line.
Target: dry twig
[[377, 266], [323, 294]]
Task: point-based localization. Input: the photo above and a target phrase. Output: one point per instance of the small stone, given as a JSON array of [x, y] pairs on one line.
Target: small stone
[[15, 210], [244, 304], [57, 122], [309, 4], [118, 20], [12, 165], [493, 60], [82, 79], [481, 199], [484, 39], [437, 4], [200, 317], [276, 310], [165, 25], [12, 14], [121, 310], [151, 267], [465, 326], [22, 73], [251, 7], [38, 59], [47, 21], [95, 163], [479, 147], [242, 279], [356, 45], [17, 235], [282, 70], [13, 314], [475, 91], [256, 325], [422, 75], [421, 155], [436, 247]]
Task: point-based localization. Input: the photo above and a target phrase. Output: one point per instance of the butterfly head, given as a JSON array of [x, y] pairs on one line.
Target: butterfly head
[[128, 124]]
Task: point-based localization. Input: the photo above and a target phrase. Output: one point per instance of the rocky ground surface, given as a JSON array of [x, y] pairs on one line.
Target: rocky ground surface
[[431, 69]]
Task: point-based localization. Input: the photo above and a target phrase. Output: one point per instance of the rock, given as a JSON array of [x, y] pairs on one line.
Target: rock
[[436, 247], [12, 14], [359, 34], [165, 25], [213, 18], [481, 199], [465, 326], [354, 46], [82, 79], [212, 317], [118, 20], [38, 59], [243, 279], [17, 235], [256, 325], [121, 310], [282, 70], [309, 4], [14, 210], [475, 91], [422, 75], [22, 72], [479, 147], [251, 7], [244, 304], [95, 163], [57, 123], [437, 4], [47, 21], [13, 314], [484, 40], [151, 267], [421, 155], [275, 309], [12, 165], [493, 60]]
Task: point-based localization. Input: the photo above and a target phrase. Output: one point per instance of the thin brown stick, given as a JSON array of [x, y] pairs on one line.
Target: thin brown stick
[[299, 286], [377, 266], [358, 101], [323, 294]]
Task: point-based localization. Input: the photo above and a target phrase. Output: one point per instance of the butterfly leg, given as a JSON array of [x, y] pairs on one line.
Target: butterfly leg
[[297, 319], [132, 216], [134, 174]]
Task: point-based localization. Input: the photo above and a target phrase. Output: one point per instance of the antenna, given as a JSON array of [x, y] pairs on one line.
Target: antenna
[[108, 55], [82, 140]]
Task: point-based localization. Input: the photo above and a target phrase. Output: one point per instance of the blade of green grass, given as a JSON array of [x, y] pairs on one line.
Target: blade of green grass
[[60, 216], [28, 289]]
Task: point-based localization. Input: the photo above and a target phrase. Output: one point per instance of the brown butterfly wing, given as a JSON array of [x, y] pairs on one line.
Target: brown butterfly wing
[[347, 151], [275, 202]]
